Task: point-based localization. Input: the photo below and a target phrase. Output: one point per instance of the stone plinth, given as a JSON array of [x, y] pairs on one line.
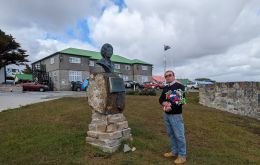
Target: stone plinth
[[108, 126], [100, 98], [107, 131]]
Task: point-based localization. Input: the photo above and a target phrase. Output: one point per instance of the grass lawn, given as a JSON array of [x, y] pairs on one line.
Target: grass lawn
[[54, 133]]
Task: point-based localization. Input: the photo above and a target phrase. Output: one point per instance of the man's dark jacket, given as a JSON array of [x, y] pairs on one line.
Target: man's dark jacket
[[176, 109]]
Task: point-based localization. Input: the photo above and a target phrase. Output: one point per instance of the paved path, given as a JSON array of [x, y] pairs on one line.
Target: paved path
[[10, 100]]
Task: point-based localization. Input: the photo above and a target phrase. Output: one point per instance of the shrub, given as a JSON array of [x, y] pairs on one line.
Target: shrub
[[132, 92], [148, 92], [144, 92]]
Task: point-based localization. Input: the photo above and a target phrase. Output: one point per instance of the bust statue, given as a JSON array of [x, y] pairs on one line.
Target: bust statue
[[105, 62]]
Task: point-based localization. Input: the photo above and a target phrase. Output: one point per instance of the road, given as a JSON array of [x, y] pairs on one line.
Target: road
[[10, 100]]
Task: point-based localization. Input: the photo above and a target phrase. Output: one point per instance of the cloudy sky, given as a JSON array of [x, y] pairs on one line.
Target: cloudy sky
[[218, 39]]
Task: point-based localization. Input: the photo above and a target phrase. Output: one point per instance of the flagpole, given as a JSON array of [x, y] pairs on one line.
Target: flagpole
[[164, 61], [165, 47]]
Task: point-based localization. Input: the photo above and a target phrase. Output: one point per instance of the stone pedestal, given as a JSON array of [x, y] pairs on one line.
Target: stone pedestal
[[108, 126]]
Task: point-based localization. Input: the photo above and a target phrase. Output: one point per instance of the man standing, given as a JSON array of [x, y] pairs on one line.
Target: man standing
[[173, 119]]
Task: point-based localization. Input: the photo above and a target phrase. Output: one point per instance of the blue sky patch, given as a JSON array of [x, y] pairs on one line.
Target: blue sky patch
[[120, 3], [80, 31]]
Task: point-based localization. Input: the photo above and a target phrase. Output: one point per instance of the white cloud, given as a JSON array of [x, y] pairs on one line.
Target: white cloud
[[51, 46], [48, 15], [131, 34], [239, 63], [207, 37], [29, 21], [216, 39]]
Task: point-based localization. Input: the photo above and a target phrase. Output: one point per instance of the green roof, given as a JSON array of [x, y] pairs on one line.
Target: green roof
[[24, 76], [136, 61], [80, 52], [96, 56], [184, 81]]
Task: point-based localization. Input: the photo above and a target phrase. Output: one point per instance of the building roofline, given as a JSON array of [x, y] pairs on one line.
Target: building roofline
[[45, 58], [83, 53]]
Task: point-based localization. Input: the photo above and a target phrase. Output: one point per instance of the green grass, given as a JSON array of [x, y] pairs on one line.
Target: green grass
[[54, 133]]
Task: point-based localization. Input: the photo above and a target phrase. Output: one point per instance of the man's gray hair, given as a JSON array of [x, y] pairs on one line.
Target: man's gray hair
[[169, 71]]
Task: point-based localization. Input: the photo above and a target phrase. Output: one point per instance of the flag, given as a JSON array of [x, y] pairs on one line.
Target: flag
[[166, 47]]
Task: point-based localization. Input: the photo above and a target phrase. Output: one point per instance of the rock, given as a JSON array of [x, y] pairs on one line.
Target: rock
[[133, 149], [103, 146], [122, 125], [97, 92], [99, 96], [126, 132], [115, 118], [113, 135], [93, 134], [126, 148], [98, 117], [112, 128], [100, 127]]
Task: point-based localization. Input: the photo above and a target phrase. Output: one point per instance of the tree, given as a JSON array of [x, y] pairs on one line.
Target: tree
[[204, 79], [10, 51], [27, 70]]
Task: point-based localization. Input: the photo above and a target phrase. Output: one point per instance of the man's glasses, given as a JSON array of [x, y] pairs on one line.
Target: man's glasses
[[169, 75]]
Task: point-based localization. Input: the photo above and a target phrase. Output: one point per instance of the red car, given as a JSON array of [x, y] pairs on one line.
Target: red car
[[153, 85], [34, 87]]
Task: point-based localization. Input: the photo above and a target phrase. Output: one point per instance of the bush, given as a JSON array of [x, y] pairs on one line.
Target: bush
[[132, 92], [144, 92]]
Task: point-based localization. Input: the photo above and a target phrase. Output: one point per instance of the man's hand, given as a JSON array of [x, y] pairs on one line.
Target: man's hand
[[164, 103], [167, 106], [167, 109]]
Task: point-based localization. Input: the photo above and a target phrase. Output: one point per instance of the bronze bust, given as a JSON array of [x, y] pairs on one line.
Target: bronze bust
[[105, 62]]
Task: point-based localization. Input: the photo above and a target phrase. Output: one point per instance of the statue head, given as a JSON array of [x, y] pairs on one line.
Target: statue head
[[107, 51]]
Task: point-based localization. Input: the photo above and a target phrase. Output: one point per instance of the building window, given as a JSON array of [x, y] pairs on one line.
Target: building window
[[125, 77], [52, 60], [75, 76], [127, 67], [117, 66], [91, 63], [75, 60], [37, 66], [144, 67], [55, 76], [144, 78]]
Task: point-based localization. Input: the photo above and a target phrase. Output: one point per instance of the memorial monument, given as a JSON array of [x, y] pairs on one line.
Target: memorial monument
[[106, 97]]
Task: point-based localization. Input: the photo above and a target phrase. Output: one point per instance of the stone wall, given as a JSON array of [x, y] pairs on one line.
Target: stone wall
[[236, 97]]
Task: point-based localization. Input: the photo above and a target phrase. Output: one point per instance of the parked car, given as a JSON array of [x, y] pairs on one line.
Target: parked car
[[34, 86], [131, 84], [76, 85], [79, 86], [153, 85], [193, 85], [205, 82]]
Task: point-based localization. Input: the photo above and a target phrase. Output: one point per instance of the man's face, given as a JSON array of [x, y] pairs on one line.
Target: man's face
[[169, 77]]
